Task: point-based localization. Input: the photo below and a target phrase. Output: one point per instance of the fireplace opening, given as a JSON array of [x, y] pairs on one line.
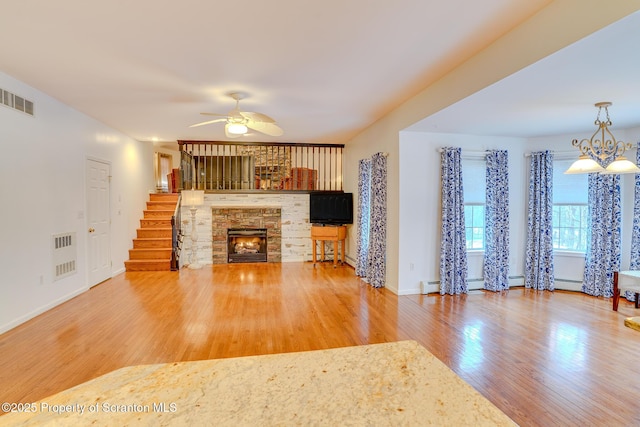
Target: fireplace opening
[[247, 245]]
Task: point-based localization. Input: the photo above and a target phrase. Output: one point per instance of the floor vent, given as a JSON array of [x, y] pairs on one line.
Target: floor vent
[[64, 255], [16, 102]]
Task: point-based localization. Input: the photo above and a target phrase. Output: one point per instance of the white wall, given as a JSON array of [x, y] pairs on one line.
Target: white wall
[[363, 148], [171, 149], [569, 268], [554, 27], [42, 188], [419, 231], [628, 196], [420, 205]]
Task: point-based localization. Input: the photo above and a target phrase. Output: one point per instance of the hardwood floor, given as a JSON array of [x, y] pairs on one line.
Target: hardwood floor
[[544, 358]]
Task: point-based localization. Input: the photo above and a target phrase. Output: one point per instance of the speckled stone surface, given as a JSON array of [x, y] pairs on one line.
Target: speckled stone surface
[[632, 322], [392, 384]]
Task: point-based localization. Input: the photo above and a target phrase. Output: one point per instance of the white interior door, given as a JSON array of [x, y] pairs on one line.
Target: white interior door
[[98, 222]]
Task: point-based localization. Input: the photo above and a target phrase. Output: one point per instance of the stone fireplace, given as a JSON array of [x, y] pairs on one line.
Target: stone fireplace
[[231, 219], [247, 245]]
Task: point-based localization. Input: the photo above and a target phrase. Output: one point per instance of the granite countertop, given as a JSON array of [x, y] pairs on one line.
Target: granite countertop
[[391, 384]]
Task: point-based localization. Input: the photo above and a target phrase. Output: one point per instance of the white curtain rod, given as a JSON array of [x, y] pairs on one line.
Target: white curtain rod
[[561, 155], [440, 150], [479, 153]]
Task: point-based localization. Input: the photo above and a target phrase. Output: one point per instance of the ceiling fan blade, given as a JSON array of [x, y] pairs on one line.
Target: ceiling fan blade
[[207, 122], [229, 134], [257, 117], [214, 114], [270, 129]]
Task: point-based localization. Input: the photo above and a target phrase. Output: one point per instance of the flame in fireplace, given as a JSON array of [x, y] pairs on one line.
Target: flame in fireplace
[[247, 245]]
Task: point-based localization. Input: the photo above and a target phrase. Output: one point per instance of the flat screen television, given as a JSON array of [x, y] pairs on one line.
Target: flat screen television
[[331, 208]]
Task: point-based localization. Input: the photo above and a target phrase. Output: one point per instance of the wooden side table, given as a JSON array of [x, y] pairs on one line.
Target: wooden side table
[[334, 233]]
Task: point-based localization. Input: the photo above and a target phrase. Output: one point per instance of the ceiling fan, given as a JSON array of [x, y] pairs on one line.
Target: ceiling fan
[[238, 121]]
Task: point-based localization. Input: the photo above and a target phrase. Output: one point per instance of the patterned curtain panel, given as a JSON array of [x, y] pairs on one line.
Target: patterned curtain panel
[[539, 251], [603, 238], [453, 251], [377, 258], [364, 209], [635, 232], [496, 253]]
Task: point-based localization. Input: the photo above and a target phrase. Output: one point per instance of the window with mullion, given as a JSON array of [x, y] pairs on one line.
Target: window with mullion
[[570, 227], [570, 209], [474, 226], [474, 173]]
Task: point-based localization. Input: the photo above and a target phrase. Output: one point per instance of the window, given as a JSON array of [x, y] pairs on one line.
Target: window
[[570, 227], [570, 210], [474, 226], [163, 168], [474, 177]]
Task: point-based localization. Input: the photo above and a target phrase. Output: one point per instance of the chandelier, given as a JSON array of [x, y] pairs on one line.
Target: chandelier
[[602, 153]]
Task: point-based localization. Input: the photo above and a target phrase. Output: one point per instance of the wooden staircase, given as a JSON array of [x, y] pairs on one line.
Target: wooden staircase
[[153, 245]]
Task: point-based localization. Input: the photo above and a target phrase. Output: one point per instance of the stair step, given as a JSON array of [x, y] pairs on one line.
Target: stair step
[[148, 265], [163, 197], [161, 205], [156, 243], [155, 223], [146, 233], [150, 253], [153, 247], [158, 213]]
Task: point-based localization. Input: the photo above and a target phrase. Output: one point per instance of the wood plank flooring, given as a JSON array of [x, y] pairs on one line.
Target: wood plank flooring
[[544, 358]]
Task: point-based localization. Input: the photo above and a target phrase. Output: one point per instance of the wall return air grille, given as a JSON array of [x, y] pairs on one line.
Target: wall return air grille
[[64, 255], [16, 102]]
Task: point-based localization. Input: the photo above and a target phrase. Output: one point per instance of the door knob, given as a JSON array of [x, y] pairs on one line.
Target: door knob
[[91, 230]]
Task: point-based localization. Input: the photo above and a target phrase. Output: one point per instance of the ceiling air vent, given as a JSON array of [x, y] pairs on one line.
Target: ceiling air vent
[[16, 102]]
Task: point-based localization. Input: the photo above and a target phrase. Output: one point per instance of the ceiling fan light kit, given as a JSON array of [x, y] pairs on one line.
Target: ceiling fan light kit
[[238, 123], [236, 128]]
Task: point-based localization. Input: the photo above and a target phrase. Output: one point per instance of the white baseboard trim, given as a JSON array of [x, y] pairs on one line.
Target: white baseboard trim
[[415, 291], [433, 287], [516, 281], [22, 319], [568, 285], [429, 287], [118, 271]]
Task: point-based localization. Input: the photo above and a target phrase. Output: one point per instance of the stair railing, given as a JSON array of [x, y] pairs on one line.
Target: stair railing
[[250, 167], [176, 236]]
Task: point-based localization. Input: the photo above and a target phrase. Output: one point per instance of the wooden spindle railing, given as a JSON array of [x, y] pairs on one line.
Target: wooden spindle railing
[[176, 236], [260, 166]]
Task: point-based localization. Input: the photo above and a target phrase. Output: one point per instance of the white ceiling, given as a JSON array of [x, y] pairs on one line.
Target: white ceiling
[[324, 70], [557, 94]]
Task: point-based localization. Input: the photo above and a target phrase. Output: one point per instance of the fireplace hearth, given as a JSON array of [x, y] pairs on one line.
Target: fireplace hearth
[[247, 245]]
